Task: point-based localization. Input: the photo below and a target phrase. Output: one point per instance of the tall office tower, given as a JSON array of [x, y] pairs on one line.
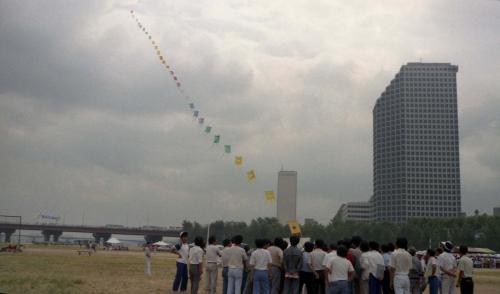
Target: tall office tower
[[416, 171], [287, 196]]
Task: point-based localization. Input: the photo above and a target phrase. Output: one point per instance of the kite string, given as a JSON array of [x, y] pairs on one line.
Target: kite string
[[238, 159]]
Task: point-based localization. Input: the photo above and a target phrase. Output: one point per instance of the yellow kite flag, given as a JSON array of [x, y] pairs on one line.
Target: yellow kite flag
[[294, 227], [269, 196], [251, 175], [238, 160]]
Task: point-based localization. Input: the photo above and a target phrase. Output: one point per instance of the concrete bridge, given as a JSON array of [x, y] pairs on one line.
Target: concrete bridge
[[99, 233]]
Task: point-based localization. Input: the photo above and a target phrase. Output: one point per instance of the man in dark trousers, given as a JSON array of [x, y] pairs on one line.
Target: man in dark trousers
[[292, 262]]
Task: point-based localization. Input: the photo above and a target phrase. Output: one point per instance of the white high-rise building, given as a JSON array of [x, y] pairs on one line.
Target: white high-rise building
[[287, 196]]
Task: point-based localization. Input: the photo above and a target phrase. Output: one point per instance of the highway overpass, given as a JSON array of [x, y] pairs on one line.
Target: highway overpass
[[99, 232]]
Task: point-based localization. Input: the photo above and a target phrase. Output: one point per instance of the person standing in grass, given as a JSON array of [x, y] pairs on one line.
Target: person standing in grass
[[400, 266], [447, 267], [340, 271], [224, 260], [236, 259], [261, 261], [432, 272], [307, 274], [317, 257], [416, 272], [277, 260], [147, 259], [181, 275], [213, 254], [196, 264], [292, 263], [465, 269]]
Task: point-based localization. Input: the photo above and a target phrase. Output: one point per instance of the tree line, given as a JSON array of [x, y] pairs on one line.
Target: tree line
[[474, 231]]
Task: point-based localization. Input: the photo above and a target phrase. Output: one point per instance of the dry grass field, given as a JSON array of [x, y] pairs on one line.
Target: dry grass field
[[61, 270]]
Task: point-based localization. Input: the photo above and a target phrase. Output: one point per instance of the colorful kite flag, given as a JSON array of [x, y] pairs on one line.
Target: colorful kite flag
[[216, 139], [238, 160], [227, 149], [251, 175], [196, 113], [201, 120], [269, 196], [208, 129], [294, 227]]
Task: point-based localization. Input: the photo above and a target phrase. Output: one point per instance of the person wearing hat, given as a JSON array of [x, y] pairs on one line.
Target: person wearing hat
[[465, 268], [181, 275], [447, 266]]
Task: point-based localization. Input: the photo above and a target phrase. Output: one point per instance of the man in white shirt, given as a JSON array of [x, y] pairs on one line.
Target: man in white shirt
[[400, 265], [227, 244], [211, 269], [196, 264], [276, 265], [465, 271], [318, 257], [340, 271], [331, 254], [236, 258], [181, 275], [147, 259], [261, 262], [364, 267], [375, 267], [447, 266]]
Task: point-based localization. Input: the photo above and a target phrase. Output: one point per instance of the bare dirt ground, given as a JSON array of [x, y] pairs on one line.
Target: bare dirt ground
[[61, 270]]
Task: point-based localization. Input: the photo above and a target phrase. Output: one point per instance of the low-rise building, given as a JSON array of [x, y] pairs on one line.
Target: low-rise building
[[355, 211]]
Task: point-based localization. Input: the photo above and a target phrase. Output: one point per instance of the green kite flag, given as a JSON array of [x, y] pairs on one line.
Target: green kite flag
[[216, 139], [227, 148], [208, 129]]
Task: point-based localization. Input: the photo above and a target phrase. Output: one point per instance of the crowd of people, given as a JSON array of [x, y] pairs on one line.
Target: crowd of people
[[351, 266]]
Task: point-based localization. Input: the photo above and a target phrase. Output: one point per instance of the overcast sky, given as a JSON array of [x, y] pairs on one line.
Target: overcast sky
[[90, 122]]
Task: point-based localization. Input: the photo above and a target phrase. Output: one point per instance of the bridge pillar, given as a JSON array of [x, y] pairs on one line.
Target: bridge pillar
[[55, 235], [103, 236], [8, 234], [153, 238]]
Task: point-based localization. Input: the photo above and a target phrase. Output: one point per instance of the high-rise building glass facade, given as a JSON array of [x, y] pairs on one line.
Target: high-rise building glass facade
[[416, 170]]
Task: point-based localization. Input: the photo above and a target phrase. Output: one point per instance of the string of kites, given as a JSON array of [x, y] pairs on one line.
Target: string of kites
[[238, 159]]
